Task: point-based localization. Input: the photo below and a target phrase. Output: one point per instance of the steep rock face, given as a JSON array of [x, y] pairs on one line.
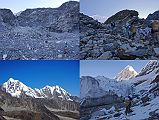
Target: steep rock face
[[62, 19], [90, 87], [154, 16], [104, 100], [127, 73], [100, 86], [7, 17], [122, 15]]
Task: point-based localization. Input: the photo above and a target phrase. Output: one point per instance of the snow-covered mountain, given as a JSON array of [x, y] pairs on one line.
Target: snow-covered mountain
[[144, 89], [127, 73], [18, 89], [101, 19], [52, 92], [121, 85], [149, 67]]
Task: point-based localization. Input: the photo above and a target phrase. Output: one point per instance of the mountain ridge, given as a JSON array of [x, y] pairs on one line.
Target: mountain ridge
[[17, 89]]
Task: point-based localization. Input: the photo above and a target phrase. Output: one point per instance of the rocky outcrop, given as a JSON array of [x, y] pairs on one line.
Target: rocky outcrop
[[62, 19], [154, 16], [88, 24], [108, 99], [90, 87], [121, 15], [7, 17]]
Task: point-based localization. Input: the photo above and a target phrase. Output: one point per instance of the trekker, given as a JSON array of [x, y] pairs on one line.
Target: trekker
[[155, 30], [66, 49], [133, 30], [128, 104], [112, 25], [126, 29]]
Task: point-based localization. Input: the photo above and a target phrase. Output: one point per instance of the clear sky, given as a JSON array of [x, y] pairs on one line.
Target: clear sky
[[110, 7], [108, 68], [20, 5], [37, 74]]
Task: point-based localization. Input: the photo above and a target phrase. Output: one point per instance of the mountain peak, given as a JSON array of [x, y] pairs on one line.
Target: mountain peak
[[127, 73], [130, 68], [12, 80]]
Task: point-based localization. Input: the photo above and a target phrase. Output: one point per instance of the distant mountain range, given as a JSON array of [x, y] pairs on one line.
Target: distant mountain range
[[17, 89], [101, 19]]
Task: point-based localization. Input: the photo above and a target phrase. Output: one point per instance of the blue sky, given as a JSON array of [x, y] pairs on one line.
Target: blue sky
[[20, 5], [110, 7], [108, 68], [37, 74]]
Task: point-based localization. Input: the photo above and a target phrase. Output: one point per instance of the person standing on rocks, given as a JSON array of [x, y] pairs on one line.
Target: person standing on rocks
[[155, 30], [128, 104]]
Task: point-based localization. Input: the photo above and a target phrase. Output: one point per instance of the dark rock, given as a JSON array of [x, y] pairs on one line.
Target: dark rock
[[62, 19], [29, 115], [2, 118], [1, 110], [117, 114], [121, 15], [88, 24], [156, 80], [7, 17], [154, 16]]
